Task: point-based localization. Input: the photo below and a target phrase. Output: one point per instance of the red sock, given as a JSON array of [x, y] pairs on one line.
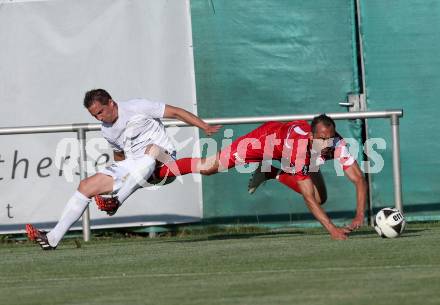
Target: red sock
[[177, 168]]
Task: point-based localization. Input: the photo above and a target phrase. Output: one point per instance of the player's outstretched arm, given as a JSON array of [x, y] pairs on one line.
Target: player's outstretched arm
[[172, 112], [307, 190], [354, 174]]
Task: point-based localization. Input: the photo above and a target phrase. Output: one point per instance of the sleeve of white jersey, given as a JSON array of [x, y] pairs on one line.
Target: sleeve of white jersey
[[112, 145], [151, 108], [343, 155]]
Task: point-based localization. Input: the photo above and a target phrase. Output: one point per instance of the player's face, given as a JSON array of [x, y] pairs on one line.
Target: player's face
[[323, 137], [103, 113]]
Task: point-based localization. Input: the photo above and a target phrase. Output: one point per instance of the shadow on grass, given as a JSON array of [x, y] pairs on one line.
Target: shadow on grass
[[373, 233], [368, 233], [408, 233], [231, 236]]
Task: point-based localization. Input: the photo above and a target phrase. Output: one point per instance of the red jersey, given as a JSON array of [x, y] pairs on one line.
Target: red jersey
[[287, 142]]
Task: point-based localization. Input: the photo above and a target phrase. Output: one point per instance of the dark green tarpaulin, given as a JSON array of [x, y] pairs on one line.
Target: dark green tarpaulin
[[264, 57], [401, 44]]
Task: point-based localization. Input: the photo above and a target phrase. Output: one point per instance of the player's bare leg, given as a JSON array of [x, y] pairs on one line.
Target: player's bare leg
[[96, 184]]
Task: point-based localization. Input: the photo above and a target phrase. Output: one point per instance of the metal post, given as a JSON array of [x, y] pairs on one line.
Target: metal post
[[369, 182], [363, 91], [396, 162], [83, 174]]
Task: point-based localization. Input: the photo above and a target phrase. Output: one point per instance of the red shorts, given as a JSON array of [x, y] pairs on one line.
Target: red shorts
[[291, 180], [248, 148]]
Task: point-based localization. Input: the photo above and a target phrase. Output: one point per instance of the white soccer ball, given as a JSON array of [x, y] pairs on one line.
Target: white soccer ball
[[389, 223]]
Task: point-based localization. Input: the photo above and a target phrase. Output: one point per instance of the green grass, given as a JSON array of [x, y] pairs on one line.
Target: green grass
[[300, 266]]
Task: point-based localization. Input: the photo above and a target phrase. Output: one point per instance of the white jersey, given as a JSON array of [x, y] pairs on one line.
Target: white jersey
[[137, 126]]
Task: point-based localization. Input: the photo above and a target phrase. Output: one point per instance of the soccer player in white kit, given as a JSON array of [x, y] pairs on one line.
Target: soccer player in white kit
[[136, 134]]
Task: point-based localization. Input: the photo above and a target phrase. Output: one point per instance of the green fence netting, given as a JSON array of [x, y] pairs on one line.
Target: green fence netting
[[401, 43], [262, 57]]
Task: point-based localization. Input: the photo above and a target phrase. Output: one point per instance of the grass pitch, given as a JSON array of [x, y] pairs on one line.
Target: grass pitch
[[299, 266]]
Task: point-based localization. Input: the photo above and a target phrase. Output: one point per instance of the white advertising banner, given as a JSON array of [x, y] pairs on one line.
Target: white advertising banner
[[51, 53]]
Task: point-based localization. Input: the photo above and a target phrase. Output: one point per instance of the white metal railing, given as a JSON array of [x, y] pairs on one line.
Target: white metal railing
[[81, 130]]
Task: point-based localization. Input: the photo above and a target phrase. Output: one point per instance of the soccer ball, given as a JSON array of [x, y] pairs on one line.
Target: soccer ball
[[389, 223]]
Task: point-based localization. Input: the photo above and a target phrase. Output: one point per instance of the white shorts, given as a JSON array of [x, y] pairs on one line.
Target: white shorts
[[120, 170]]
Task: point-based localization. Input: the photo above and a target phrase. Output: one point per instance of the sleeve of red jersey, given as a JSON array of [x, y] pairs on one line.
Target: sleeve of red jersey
[[343, 156]]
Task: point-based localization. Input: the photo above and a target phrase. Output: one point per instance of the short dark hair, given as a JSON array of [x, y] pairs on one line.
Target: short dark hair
[[323, 119], [98, 95]]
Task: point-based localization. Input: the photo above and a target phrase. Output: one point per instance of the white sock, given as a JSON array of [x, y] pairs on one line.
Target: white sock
[[144, 168], [72, 212]]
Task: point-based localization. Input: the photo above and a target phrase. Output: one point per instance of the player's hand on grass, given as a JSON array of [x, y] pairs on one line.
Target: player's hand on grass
[[211, 129], [356, 223], [339, 233]]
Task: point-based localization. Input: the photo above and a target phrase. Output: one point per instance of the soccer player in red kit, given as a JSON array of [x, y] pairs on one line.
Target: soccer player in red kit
[[300, 148]]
